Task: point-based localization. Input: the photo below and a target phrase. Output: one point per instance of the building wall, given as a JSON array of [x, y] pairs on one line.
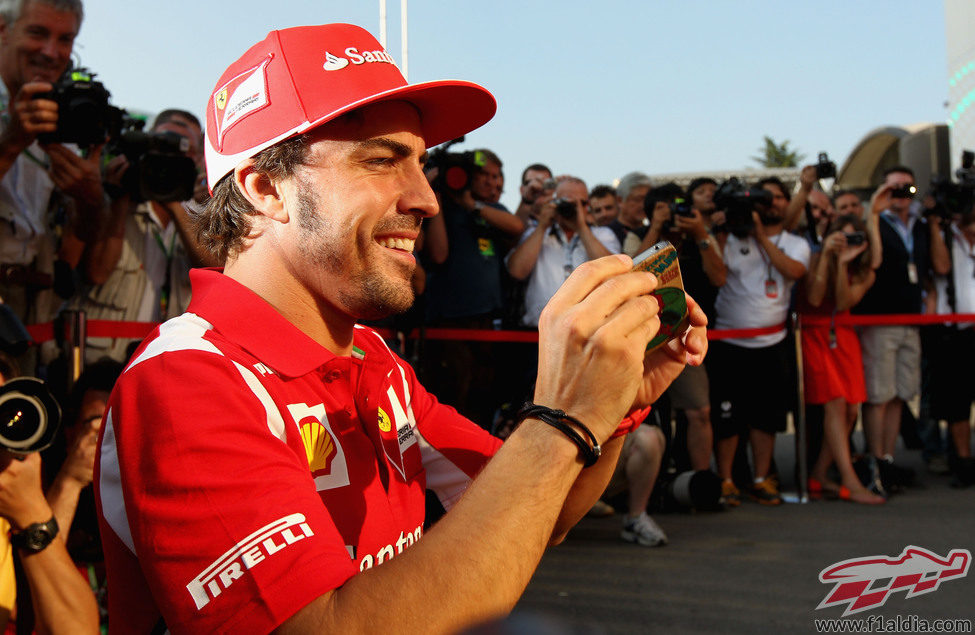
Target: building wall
[[960, 41]]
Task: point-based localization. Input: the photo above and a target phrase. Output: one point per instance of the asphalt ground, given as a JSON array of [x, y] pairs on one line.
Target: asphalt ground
[[752, 569]]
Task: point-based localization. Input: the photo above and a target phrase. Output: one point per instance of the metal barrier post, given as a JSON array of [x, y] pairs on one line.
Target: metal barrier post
[[75, 336], [802, 469]]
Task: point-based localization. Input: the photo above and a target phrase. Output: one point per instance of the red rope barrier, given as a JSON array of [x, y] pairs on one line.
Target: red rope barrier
[[139, 330]]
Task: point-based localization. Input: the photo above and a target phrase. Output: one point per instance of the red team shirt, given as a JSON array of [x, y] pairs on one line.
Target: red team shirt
[[244, 470]]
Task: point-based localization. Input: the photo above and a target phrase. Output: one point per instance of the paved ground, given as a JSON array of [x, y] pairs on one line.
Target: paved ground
[[753, 569]]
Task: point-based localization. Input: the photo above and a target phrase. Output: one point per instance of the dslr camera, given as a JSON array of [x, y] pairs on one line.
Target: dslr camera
[[739, 201], [84, 114], [29, 416], [455, 170], [954, 197], [825, 169], [159, 169]]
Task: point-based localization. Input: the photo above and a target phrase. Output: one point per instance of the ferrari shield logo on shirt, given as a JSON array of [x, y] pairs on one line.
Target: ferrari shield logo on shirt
[[245, 555], [399, 441], [241, 96], [384, 423], [326, 459]]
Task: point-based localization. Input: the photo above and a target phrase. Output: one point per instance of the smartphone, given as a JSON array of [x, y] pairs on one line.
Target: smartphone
[[661, 261]]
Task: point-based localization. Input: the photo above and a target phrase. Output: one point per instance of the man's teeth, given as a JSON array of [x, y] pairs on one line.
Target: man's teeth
[[404, 244]]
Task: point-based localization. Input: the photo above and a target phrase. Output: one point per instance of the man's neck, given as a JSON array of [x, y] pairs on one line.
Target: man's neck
[[262, 272], [773, 230]]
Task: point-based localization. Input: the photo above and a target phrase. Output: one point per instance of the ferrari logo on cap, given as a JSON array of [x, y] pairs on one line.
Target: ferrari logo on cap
[[384, 423], [221, 99]]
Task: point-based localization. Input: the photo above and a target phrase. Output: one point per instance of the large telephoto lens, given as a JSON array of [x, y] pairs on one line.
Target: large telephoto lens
[[29, 416]]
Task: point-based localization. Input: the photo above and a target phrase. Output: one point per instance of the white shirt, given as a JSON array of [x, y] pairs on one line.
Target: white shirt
[[743, 302], [557, 258], [963, 270]]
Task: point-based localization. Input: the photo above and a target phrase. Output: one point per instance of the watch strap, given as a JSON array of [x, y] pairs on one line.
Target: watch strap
[[35, 537]]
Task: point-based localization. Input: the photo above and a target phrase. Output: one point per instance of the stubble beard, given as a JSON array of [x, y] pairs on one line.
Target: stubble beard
[[371, 295]]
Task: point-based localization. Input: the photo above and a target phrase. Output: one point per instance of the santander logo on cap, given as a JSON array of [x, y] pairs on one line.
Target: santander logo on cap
[[352, 54]]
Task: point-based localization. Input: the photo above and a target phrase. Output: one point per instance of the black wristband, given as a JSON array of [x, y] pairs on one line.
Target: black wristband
[[559, 420]]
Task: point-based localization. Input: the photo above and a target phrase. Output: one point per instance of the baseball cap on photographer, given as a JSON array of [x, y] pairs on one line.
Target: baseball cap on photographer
[[299, 78]]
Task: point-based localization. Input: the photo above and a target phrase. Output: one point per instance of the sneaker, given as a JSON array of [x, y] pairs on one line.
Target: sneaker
[[600, 509], [873, 480], [765, 492], [730, 495], [643, 531]]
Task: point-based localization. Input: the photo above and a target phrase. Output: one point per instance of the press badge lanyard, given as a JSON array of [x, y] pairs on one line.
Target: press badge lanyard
[[907, 237], [771, 285], [168, 280]]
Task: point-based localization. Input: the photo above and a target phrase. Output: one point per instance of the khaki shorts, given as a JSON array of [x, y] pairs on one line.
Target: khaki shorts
[[891, 362], [690, 390]]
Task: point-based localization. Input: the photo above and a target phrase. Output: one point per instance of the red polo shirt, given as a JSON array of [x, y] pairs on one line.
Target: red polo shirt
[[244, 470]]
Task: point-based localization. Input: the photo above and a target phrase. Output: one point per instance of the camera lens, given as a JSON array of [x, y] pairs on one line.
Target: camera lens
[[22, 421]]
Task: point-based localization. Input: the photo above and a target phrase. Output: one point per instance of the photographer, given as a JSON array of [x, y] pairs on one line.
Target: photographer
[[44, 185], [535, 180], [951, 360], [838, 277], [140, 269], [892, 354], [560, 241], [465, 247], [604, 205], [60, 598], [764, 262]]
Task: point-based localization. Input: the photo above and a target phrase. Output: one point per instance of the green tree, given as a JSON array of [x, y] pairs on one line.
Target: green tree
[[775, 155]]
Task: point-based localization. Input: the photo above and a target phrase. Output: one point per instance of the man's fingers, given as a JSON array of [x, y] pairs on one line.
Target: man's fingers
[[587, 277]]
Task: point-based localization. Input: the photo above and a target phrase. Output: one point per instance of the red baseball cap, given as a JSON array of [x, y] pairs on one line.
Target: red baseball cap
[[299, 78]]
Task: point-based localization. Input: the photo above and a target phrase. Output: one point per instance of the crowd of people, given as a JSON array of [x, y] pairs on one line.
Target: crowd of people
[[79, 238]]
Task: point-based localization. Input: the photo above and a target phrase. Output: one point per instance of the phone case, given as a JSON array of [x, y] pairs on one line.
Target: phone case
[[661, 261]]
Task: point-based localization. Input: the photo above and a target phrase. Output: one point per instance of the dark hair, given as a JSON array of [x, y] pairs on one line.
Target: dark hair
[[698, 182], [774, 180], [225, 223], [171, 113], [602, 190], [899, 168], [665, 193], [862, 263], [537, 167]]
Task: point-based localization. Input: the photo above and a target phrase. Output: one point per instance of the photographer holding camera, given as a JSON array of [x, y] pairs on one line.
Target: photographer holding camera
[[43, 184], [465, 247], [763, 263], [631, 225], [953, 345], [60, 600], [559, 241], [140, 269], [535, 182]]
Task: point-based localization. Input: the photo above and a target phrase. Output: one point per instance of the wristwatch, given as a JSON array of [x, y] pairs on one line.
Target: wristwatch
[[478, 206], [704, 244], [35, 537]]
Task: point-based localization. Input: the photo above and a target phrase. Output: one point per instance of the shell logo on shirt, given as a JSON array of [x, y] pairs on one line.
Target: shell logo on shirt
[[319, 447], [326, 458], [384, 423]]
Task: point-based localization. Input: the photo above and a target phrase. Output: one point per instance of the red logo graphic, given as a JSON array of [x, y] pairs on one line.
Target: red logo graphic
[[866, 583]]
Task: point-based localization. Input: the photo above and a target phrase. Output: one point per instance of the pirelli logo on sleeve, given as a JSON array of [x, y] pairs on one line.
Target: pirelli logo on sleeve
[[245, 555]]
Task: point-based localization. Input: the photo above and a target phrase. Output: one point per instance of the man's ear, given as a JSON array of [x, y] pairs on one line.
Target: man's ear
[[264, 194]]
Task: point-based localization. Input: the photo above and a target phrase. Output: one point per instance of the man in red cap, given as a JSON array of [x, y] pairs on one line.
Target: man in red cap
[[263, 454]]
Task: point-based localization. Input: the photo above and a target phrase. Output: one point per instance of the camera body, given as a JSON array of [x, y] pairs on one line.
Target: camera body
[[159, 169], [854, 239], [455, 170], [680, 206], [951, 197], [565, 208], [825, 169], [29, 416], [903, 191], [739, 201], [84, 114]]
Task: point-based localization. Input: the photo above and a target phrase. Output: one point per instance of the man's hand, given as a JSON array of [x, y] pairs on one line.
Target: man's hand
[[692, 225], [79, 178], [30, 117], [663, 365], [592, 335], [807, 177], [880, 199], [545, 211], [531, 190], [79, 465], [759, 229], [21, 497]]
